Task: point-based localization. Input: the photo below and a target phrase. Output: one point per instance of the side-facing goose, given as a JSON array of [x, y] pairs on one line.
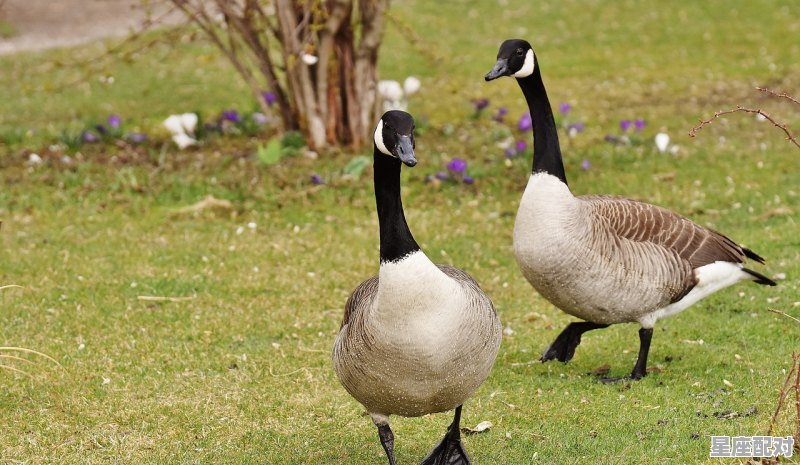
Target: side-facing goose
[[604, 259], [418, 338]]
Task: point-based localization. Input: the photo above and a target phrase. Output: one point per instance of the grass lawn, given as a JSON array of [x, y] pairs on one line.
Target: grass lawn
[[238, 370]]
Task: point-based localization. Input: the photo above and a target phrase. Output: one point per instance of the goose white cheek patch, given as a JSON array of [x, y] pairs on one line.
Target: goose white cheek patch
[[379, 139], [527, 67]]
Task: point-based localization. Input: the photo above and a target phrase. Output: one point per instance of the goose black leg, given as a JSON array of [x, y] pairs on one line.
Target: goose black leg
[[449, 451], [563, 348], [640, 369], [387, 441]]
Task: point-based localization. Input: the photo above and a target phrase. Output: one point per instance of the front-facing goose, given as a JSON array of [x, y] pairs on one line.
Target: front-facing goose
[[603, 259], [418, 338]]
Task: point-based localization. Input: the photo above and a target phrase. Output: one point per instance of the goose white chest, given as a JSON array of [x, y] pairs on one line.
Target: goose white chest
[[552, 244], [425, 344]]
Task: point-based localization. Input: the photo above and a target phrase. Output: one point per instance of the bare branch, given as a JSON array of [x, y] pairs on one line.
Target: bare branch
[[784, 393], [774, 310], [782, 126], [796, 358], [779, 95]]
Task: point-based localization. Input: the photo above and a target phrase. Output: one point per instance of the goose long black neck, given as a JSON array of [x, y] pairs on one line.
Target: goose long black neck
[[396, 238], [546, 149]]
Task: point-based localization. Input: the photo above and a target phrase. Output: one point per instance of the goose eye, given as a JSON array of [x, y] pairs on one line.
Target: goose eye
[[520, 52]]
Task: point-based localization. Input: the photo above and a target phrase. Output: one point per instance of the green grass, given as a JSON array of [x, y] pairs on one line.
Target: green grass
[[241, 372]]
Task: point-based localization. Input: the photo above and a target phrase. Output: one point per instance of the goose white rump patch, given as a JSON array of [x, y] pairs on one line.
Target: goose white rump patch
[[710, 279]]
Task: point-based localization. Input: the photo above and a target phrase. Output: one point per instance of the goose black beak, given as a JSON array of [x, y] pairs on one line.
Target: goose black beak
[[500, 69], [404, 150]]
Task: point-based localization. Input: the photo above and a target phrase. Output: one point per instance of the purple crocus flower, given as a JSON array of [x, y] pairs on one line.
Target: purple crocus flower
[[525, 122], [510, 152], [468, 180], [101, 129], [500, 115], [316, 180], [521, 146], [564, 108], [441, 176], [136, 137], [640, 124], [88, 137], [114, 121], [269, 97], [457, 165], [625, 125], [232, 116], [480, 104], [585, 165]]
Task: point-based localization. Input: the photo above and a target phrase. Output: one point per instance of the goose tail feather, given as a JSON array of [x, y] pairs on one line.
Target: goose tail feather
[[759, 278], [752, 255]]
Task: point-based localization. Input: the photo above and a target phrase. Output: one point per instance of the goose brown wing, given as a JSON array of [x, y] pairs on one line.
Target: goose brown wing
[[361, 297], [642, 222]]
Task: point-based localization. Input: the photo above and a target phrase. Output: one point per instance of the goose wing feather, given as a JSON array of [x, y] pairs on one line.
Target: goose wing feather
[[670, 246], [360, 299], [643, 222]]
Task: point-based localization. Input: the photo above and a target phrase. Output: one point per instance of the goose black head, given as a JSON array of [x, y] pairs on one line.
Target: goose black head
[[515, 58], [394, 136]]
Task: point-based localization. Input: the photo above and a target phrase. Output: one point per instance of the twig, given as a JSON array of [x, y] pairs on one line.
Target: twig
[[9, 286], [784, 392], [785, 128], [779, 95], [154, 298], [774, 310], [797, 402]]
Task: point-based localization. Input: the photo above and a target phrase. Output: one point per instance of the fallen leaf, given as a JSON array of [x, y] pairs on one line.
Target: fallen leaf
[[479, 428], [602, 370]]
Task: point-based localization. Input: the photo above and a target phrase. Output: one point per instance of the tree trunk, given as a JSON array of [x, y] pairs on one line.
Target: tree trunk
[[274, 44]]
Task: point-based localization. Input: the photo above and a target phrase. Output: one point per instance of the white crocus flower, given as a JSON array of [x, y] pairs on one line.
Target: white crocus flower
[[390, 90], [182, 127], [34, 159], [183, 140], [189, 121], [174, 125], [309, 59], [662, 141], [411, 85]]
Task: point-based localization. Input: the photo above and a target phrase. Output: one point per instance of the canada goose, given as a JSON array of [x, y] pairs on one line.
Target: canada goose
[[604, 259], [418, 338]]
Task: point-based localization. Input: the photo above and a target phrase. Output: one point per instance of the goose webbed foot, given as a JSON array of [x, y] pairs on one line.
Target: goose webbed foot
[[563, 347], [640, 369], [449, 451], [387, 441]]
